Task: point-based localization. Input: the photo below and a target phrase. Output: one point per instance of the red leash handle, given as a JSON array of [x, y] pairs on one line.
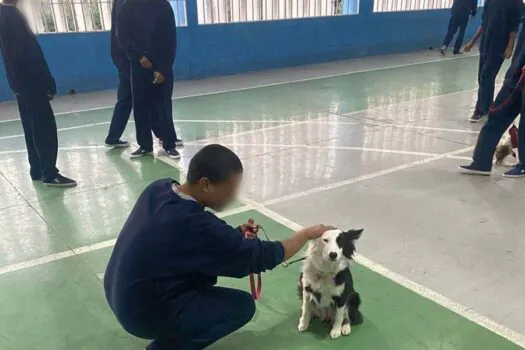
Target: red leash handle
[[256, 290]]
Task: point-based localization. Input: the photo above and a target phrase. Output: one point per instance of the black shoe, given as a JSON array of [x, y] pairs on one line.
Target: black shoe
[[141, 153], [60, 181], [117, 144], [179, 143], [477, 117], [36, 177], [443, 50], [172, 153], [457, 53], [473, 170]]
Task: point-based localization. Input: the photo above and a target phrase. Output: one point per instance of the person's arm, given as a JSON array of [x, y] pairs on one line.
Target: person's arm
[[227, 253], [514, 19], [125, 28], [474, 39], [474, 8], [510, 46], [163, 61]]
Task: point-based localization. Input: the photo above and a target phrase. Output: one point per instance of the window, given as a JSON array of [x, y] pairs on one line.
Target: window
[[64, 16], [411, 5], [231, 11]]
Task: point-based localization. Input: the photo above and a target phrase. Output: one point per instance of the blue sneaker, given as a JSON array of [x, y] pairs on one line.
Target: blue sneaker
[[516, 172], [473, 170], [477, 117]]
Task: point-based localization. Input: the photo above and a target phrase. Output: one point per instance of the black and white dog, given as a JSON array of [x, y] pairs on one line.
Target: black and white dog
[[326, 286]]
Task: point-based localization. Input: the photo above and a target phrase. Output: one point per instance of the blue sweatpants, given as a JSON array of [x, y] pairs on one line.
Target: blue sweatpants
[[498, 122], [489, 66], [458, 24], [212, 314]]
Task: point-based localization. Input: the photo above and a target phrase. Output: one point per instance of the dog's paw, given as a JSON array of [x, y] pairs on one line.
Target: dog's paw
[[303, 325], [335, 333], [346, 330]]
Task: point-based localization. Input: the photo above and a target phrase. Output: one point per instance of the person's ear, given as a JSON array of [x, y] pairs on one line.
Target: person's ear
[[204, 184]]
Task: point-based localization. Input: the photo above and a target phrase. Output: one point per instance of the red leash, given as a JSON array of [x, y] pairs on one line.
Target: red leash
[[508, 101], [256, 290]]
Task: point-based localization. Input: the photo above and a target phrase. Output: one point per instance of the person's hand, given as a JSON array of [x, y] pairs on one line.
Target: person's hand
[[145, 62], [315, 231], [468, 46], [50, 96], [508, 52], [158, 78], [250, 229]]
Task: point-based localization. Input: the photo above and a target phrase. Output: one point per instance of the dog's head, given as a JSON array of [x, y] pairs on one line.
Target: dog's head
[[335, 245]]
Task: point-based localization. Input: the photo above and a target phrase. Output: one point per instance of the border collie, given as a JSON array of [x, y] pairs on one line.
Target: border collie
[[326, 286]]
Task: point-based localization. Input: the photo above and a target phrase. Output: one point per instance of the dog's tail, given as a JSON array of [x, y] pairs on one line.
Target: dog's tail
[[356, 317]]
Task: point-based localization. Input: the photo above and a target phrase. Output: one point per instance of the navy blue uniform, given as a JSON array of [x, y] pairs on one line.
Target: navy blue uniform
[[124, 103], [461, 11], [30, 78], [508, 105], [146, 28], [500, 19], [160, 280]]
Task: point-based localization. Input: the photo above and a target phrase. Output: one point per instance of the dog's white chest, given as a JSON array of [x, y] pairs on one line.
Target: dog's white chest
[[324, 289]]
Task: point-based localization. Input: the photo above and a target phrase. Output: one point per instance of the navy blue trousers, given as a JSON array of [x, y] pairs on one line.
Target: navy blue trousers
[[458, 24], [152, 108], [123, 107], [212, 314], [489, 66], [40, 131], [497, 124]]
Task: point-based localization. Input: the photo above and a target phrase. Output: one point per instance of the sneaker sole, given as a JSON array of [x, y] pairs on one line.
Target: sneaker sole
[[473, 172], [475, 121], [60, 185], [117, 146], [173, 157], [149, 154], [513, 176]]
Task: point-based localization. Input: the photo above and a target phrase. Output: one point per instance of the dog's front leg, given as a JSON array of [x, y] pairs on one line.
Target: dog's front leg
[[306, 312], [337, 326]]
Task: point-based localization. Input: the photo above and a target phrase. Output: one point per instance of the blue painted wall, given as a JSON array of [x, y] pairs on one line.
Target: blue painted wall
[[82, 61]]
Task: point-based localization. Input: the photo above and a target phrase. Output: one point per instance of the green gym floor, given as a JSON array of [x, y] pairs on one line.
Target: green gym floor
[[369, 143]]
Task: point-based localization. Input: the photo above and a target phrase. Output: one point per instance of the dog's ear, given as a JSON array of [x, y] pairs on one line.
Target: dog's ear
[[346, 240]]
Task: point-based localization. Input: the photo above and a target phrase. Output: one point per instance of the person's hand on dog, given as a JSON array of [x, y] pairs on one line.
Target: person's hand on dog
[[315, 231]]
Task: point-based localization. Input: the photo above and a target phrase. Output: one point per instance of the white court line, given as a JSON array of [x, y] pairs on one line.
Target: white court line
[[365, 177], [349, 148], [89, 248], [466, 312], [273, 84]]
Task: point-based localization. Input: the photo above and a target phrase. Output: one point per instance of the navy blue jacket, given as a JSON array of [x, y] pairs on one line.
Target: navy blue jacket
[[465, 7], [147, 28], [117, 53], [26, 68], [500, 18], [169, 248], [518, 62]]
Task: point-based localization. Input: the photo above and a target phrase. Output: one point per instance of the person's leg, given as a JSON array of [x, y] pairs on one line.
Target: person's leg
[[487, 84], [27, 124], [519, 170], [122, 110], [141, 87], [163, 112], [462, 27], [497, 123], [213, 314], [453, 26]]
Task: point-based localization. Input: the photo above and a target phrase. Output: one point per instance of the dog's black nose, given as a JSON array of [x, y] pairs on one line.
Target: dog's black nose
[[332, 256]]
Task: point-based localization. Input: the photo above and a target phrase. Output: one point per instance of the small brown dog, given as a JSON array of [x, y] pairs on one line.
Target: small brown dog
[[505, 154]]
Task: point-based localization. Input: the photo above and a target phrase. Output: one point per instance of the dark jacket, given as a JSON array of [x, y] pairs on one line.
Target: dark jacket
[[500, 18], [170, 248], [147, 28], [465, 7], [117, 53], [26, 68]]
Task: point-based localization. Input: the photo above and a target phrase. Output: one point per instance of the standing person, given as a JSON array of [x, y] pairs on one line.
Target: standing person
[[161, 278], [500, 22], [124, 103], [30, 79], [510, 102], [461, 11], [146, 32]]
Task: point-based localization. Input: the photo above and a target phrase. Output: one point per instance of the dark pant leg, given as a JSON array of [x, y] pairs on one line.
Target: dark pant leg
[[142, 87], [489, 70], [462, 27], [453, 26], [521, 132], [40, 119], [212, 314], [163, 112], [497, 123], [27, 125], [123, 106]]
